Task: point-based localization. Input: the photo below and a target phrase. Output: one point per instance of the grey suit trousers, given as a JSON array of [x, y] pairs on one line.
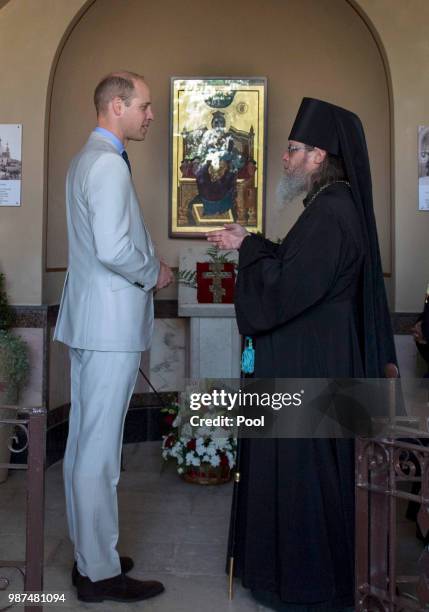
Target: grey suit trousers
[[102, 383]]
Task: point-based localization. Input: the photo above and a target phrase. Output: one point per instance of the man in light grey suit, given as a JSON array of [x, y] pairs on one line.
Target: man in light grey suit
[[106, 318]]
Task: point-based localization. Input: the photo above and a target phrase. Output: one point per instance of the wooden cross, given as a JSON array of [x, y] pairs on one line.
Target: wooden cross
[[217, 274]]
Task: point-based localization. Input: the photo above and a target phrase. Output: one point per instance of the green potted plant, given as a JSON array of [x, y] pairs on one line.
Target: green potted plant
[[14, 370], [14, 366]]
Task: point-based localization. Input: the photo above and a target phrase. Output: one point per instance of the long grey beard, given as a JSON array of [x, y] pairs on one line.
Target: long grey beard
[[290, 187]]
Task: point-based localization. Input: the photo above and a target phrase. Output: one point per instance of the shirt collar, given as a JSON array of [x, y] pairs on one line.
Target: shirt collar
[[112, 137]]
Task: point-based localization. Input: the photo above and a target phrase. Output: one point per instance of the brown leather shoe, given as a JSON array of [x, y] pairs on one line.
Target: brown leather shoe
[[127, 565], [118, 588]]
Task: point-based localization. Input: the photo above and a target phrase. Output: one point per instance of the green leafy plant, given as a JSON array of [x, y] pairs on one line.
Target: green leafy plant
[[5, 309], [14, 362], [218, 256], [187, 277]]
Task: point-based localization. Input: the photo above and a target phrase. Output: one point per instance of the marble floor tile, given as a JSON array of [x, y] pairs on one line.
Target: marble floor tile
[[55, 522], [194, 593], [151, 556], [12, 546], [164, 502], [176, 532], [15, 481], [61, 553], [205, 558]]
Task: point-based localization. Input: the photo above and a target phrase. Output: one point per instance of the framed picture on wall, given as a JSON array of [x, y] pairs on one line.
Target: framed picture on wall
[[217, 154], [10, 164], [423, 153]]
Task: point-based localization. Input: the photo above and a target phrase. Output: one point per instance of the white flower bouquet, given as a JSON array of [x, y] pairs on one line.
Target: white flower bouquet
[[205, 455]]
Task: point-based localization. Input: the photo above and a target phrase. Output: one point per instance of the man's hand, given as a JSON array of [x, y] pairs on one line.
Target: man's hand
[[165, 276], [229, 238], [416, 330]]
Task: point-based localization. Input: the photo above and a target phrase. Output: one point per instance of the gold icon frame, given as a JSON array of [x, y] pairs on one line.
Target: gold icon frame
[[217, 154]]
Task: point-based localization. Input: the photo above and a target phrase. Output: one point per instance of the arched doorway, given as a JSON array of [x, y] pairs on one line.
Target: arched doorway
[[320, 48]]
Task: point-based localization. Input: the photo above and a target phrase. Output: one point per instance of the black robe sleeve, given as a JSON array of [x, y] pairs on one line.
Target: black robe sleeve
[[276, 285]]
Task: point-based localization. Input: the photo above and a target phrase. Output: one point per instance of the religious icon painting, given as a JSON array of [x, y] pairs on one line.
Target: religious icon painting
[[217, 154]]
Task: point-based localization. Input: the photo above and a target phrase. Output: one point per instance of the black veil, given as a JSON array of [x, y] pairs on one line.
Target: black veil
[[340, 132]]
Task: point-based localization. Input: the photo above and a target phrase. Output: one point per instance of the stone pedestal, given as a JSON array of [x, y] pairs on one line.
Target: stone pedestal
[[213, 341]]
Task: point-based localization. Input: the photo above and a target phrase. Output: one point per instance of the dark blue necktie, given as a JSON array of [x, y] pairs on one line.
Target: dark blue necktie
[[127, 161]]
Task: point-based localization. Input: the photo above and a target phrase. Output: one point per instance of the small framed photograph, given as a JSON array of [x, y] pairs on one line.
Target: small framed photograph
[[423, 160], [10, 164], [217, 154]]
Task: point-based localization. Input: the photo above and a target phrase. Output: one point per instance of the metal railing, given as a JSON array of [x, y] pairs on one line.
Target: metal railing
[[387, 470], [31, 425]]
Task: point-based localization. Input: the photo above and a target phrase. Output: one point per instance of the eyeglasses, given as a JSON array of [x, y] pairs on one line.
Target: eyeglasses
[[293, 148]]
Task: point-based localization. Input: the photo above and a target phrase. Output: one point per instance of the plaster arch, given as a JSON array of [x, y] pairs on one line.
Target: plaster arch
[[54, 273]]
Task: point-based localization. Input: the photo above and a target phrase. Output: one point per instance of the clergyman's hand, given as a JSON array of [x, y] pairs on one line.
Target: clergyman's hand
[[229, 238], [416, 330], [165, 276]]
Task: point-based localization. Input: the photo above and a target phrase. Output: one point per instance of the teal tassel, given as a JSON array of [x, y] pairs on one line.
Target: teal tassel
[[248, 357]]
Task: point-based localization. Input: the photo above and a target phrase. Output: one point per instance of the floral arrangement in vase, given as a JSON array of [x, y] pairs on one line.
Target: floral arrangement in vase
[[204, 455]]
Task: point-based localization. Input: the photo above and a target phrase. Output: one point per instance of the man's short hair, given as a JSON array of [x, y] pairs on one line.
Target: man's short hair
[[115, 85]]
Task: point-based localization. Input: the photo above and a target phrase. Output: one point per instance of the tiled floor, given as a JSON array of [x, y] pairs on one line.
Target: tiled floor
[[175, 532]]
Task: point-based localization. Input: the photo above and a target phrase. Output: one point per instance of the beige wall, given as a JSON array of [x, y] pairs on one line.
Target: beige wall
[[31, 31], [403, 28], [296, 57]]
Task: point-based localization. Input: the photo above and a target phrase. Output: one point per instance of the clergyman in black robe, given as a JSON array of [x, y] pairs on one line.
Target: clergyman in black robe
[[315, 306]]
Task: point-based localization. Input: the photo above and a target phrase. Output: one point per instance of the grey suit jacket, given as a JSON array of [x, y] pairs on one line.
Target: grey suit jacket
[[107, 301]]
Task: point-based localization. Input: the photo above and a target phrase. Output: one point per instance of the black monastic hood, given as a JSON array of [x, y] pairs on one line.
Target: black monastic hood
[[340, 132]]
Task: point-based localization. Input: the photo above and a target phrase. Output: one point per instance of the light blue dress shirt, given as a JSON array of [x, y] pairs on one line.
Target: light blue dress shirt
[[112, 137]]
